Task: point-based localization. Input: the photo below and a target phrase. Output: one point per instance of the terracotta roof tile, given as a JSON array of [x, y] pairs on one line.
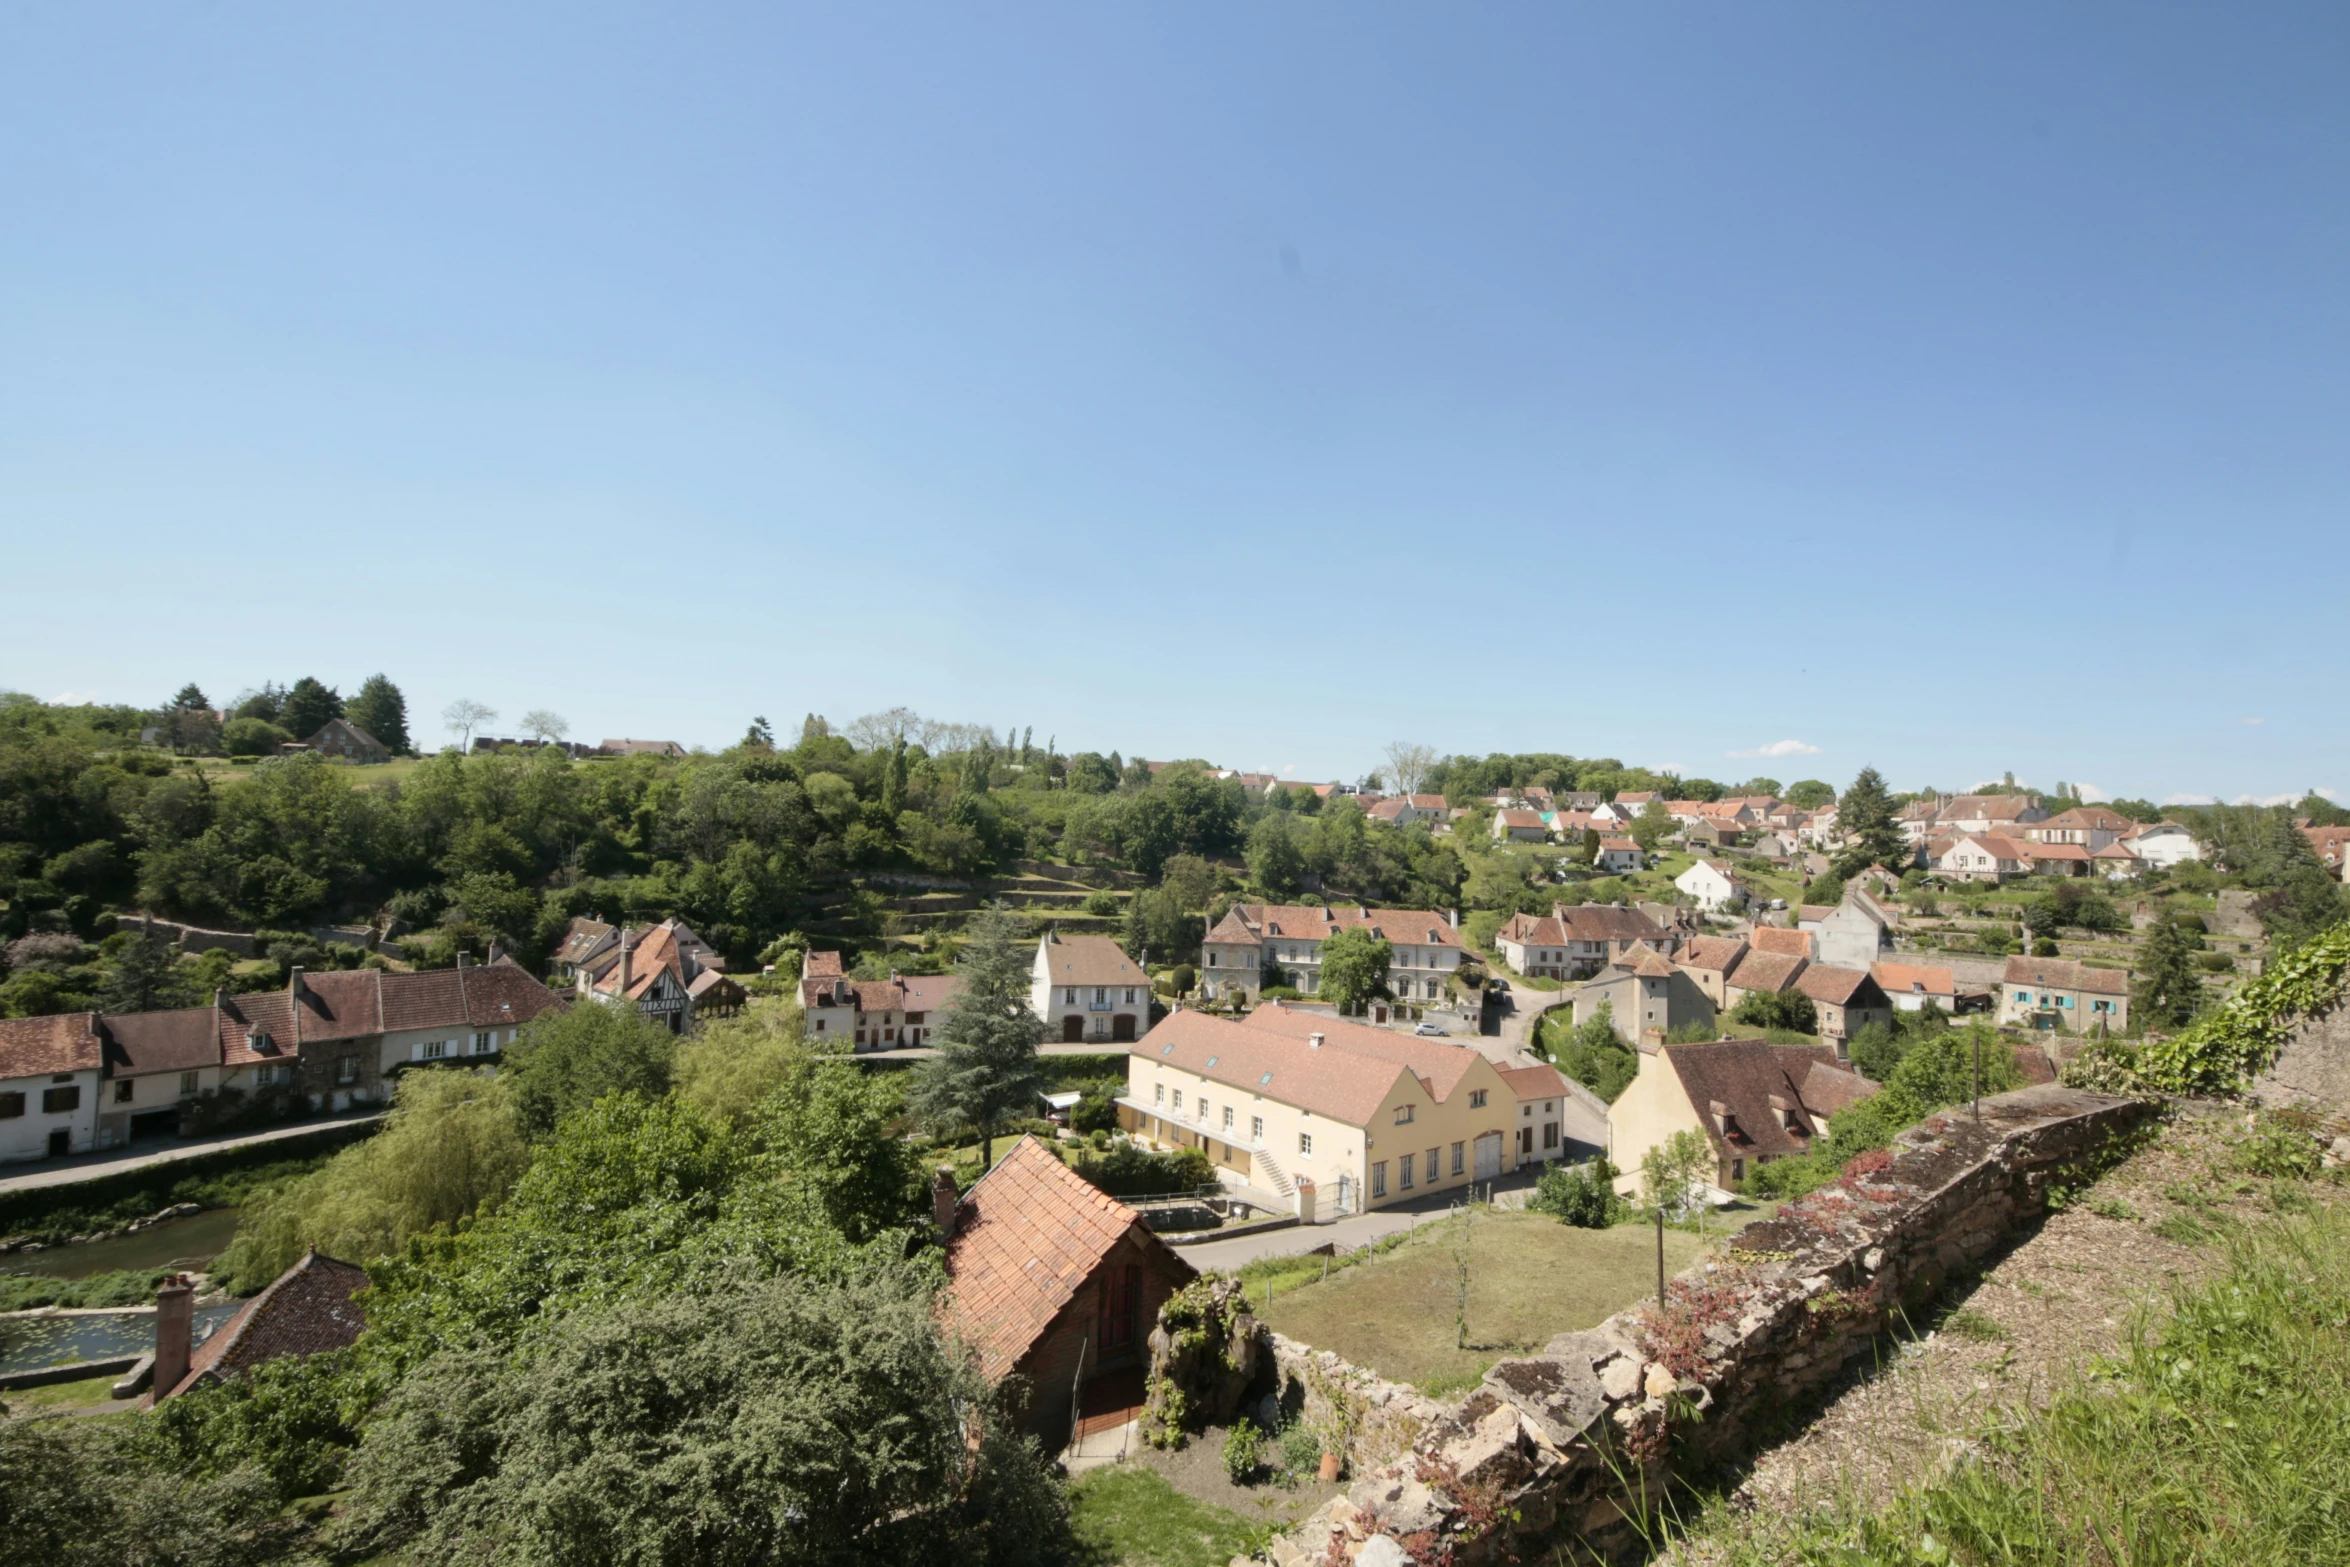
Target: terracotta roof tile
[[183, 1039], [1091, 960], [44, 1046], [1720, 953], [305, 1310], [1783, 941], [1905, 979], [1843, 987], [1770, 972], [1535, 1082], [2063, 974], [1027, 1236], [1341, 1084], [1438, 1065]]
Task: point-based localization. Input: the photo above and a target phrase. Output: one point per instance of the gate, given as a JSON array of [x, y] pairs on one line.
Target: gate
[[1489, 1156]]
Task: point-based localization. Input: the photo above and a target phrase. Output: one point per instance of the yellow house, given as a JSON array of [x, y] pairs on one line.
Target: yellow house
[[1753, 1101], [1368, 1117]]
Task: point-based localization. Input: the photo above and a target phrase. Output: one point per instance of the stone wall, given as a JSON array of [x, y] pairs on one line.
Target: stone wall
[[1555, 1452]]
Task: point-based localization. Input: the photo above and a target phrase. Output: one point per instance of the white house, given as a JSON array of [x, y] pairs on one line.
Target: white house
[[1913, 987], [1979, 857], [49, 1070], [1514, 825], [1085, 987], [1713, 884], [1619, 856], [2163, 844], [1254, 938]]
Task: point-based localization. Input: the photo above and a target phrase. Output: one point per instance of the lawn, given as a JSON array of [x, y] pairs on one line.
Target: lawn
[[1127, 1515], [1529, 1277], [57, 1396]]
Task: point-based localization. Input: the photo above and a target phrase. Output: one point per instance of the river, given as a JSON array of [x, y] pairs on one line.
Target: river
[[191, 1242]]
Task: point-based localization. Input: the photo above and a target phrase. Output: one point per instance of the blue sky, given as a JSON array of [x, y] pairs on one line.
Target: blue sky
[[1952, 389]]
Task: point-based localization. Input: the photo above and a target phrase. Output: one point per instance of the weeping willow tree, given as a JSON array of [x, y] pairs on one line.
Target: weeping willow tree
[[450, 1148]]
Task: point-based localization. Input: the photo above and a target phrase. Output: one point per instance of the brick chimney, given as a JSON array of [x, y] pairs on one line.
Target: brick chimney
[[943, 1198], [175, 1324], [1314, 1041]]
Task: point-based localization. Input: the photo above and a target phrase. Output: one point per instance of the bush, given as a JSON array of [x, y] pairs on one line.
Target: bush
[[1102, 905], [244, 737], [2215, 963], [1130, 1170], [1788, 1177], [1244, 1452], [2043, 947], [1583, 1195], [1097, 1112], [1789, 1009]]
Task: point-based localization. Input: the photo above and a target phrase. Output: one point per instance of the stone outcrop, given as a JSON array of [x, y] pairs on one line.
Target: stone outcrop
[[1557, 1451], [1206, 1352]]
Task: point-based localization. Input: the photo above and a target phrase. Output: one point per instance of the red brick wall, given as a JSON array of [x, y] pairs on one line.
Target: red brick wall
[[1052, 1364]]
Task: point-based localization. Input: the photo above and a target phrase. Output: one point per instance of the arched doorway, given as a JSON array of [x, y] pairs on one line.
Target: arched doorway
[[1122, 1028]]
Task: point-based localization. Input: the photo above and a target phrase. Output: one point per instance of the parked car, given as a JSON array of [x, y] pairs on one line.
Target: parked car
[[1432, 1031]]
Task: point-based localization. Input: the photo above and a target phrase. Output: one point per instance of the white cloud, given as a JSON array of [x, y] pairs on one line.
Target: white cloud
[[2091, 793], [73, 698], [1779, 748], [1288, 769], [2190, 799]]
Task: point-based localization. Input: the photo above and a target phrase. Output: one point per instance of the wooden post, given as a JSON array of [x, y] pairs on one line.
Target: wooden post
[[1978, 1033], [1660, 1256]]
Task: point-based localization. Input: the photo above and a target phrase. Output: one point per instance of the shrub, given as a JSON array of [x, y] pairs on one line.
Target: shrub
[[1130, 1170], [1244, 1452], [1790, 1009], [1583, 1195], [1101, 904], [2215, 963]]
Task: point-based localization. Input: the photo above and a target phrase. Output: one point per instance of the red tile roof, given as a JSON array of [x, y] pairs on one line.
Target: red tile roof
[[1090, 960], [1535, 1082], [1905, 979], [181, 1040], [1781, 940], [1766, 971], [1344, 1085], [361, 1003], [1719, 953], [1513, 817], [1282, 921], [1027, 1237], [305, 1310], [1743, 1077], [45, 1046], [1843, 987], [2063, 974], [1438, 1065]]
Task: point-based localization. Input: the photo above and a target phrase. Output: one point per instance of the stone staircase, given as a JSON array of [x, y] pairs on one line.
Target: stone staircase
[[1272, 1176]]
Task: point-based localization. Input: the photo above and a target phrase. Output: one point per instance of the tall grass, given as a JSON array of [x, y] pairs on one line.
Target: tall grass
[[2221, 1434]]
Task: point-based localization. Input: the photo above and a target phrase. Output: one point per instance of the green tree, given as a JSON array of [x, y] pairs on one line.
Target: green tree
[[1594, 1054], [252, 737], [985, 1073], [382, 711], [1810, 794], [565, 1061], [2167, 992], [1274, 861], [307, 707], [1190, 880], [1867, 819], [1354, 968], [190, 697], [1156, 924], [769, 1421], [1790, 1009], [1671, 1170], [828, 1133], [144, 975]]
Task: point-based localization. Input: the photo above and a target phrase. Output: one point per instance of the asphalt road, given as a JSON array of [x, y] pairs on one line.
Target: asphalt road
[[89, 1167]]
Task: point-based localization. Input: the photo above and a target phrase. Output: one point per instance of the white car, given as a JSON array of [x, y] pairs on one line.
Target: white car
[[1432, 1031]]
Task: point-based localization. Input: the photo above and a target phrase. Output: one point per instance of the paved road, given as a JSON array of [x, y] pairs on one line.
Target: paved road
[[89, 1167], [925, 1053], [1354, 1231]]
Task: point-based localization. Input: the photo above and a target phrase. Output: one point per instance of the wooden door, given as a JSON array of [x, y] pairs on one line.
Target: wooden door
[[1489, 1156]]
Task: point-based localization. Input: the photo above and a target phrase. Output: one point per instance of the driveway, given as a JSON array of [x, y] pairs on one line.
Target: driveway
[[91, 1166], [1355, 1230]]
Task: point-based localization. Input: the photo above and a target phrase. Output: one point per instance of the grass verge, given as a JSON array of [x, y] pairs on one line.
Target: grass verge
[[1128, 1516], [2221, 1434]]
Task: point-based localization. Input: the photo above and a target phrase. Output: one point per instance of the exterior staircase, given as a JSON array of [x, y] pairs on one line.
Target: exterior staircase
[[1272, 1176]]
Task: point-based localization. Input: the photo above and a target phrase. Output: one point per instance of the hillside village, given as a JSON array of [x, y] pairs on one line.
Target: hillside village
[[1094, 1037]]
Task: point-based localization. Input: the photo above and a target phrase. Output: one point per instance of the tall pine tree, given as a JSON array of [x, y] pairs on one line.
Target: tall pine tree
[[985, 1073], [2168, 991], [382, 711], [1873, 837]]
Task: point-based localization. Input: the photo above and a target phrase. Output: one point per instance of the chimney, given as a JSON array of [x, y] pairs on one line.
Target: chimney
[[219, 997], [624, 957], [1314, 1041], [294, 985], [497, 951], [943, 1198], [175, 1323], [1452, 917], [465, 960]]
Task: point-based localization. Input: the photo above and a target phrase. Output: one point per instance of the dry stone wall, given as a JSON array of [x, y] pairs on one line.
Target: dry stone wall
[[1567, 1450]]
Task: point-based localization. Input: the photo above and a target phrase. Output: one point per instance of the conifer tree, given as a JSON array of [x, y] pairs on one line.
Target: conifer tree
[[2168, 991], [985, 1073], [1865, 816], [382, 711]]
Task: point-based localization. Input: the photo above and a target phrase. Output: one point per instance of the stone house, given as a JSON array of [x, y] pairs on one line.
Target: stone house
[[1515, 825], [1367, 1116], [1054, 1281], [900, 1012], [2056, 993], [1763, 973], [1708, 960], [1913, 987], [1855, 933], [1086, 987], [1558, 1118], [1646, 996], [1847, 1001], [339, 737], [49, 1078], [306, 1310], [1252, 937], [1712, 832], [1577, 941], [1752, 1101]]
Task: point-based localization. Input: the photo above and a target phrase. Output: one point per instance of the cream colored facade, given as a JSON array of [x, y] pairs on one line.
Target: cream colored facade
[[1255, 1138]]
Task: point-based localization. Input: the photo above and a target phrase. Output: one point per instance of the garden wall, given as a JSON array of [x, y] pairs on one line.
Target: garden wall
[[1567, 1449]]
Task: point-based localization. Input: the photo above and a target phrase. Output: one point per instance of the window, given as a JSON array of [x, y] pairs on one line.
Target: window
[[1305, 1142], [820, 1025], [1432, 1166], [1178, 1098], [1404, 1170], [2023, 998], [1130, 995], [1228, 1118], [1379, 1179], [57, 1100], [1550, 1134], [188, 1084], [434, 1050], [347, 1071], [1403, 1115], [1458, 1151], [1203, 1107], [1256, 1128], [1158, 1093], [122, 1091], [1527, 1111], [1476, 1098], [1069, 996], [11, 1106], [484, 1043]]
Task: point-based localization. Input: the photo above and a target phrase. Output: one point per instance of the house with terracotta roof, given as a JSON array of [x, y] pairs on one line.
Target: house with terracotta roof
[[1752, 1102], [49, 1073], [1254, 937], [2090, 826], [1708, 960], [1292, 1102], [1647, 997], [1086, 987], [1713, 884], [1913, 987], [1513, 824], [1402, 810], [1979, 857], [2161, 845], [157, 1064], [1054, 1282], [2332, 845], [1789, 941], [1847, 1000], [330, 1040], [2005, 814], [1620, 857], [1558, 1118], [306, 1310], [2056, 993], [1763, 973], [900, 1012], [665, 971], [1712, 832], [1577, 941]]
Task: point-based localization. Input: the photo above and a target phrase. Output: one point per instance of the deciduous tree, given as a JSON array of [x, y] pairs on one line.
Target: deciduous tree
[[1354, 968], [462, 717]]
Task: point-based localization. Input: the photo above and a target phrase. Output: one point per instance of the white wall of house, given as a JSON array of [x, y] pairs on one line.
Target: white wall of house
[[1710, 887], [33, 1110]]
